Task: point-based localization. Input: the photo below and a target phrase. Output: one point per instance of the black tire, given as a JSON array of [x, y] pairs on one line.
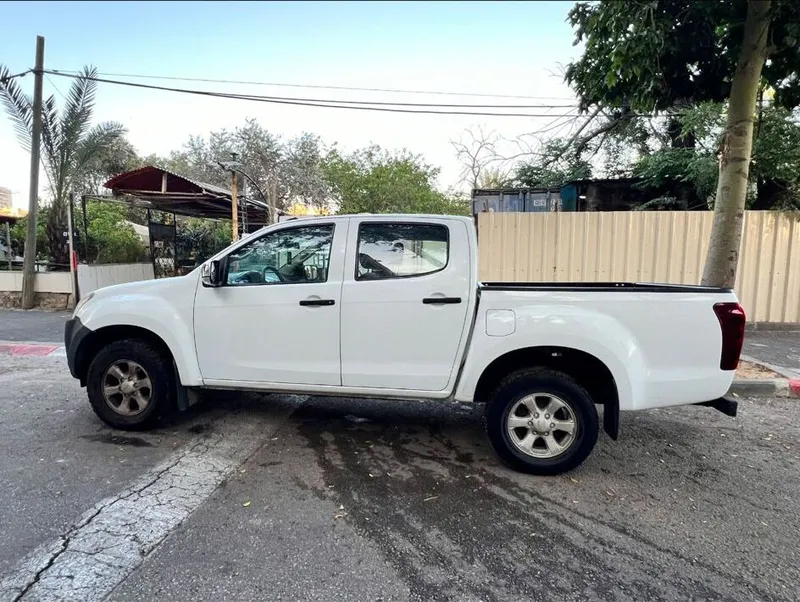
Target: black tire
[[541, 380], [159, 369]]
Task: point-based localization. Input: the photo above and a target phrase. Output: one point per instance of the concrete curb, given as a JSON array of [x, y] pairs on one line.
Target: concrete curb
[[774, 387], [786, 386], [785, 373]]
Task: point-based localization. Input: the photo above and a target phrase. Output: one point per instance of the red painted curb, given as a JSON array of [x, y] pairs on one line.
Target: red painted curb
[[37, 350], [794, 386]]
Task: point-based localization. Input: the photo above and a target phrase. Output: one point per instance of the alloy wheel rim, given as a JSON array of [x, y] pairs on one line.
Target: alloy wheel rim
[[541, 425], [127, 388]]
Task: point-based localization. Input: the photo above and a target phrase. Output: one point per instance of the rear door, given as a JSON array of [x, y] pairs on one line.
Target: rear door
[[405, 298]]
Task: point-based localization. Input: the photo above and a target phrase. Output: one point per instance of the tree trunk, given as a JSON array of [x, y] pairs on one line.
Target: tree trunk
[[737, 144]]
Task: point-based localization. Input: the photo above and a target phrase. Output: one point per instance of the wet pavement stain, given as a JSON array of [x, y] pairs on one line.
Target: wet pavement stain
[[457, 526], [113, 439]]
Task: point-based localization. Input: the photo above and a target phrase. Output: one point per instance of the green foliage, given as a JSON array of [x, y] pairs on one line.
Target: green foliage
[[776, 160], [555, 165], [680, 165], [200, 239], [74, 153], [19, 232], [775, 169], [373, 180], [111, 239], [648, 55], [494, 177]]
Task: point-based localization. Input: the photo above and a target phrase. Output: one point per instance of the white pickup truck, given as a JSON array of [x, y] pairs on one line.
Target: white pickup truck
[[390, 306]]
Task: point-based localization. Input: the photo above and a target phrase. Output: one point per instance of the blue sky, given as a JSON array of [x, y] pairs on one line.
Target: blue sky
[[479, 47]]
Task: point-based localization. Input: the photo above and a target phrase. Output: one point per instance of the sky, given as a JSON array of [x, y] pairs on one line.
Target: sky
[[505, 48]]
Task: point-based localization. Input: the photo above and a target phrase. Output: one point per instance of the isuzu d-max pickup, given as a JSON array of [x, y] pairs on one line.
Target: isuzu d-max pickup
[[390, 306]]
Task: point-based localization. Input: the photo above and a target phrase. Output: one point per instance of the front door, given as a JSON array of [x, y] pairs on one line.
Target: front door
[[405, 297], [276, 319]]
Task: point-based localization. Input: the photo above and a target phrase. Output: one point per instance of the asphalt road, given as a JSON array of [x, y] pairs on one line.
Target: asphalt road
[[280, 498], [32, 325], [777, 347]]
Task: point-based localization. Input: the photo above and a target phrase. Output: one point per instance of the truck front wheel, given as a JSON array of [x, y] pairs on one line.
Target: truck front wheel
[[541, 421], [130, 384]]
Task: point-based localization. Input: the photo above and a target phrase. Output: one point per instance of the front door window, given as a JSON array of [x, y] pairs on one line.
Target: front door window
[[292, 256]]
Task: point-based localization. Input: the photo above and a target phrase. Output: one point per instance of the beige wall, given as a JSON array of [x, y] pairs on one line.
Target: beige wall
[[45, 282], [93, 277], [646, 246]]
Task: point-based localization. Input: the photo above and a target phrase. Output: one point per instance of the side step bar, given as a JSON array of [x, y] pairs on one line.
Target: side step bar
[[723, 404]]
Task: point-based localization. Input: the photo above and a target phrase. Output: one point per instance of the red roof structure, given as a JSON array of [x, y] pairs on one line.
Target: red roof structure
[[164, 190]]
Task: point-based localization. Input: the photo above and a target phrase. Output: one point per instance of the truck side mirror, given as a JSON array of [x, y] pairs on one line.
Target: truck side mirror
[[211, 274]]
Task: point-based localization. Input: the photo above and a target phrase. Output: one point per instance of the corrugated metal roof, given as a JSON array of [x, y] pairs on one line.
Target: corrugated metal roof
[[182, 195]]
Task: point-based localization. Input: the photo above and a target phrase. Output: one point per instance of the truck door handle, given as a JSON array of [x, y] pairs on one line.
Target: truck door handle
[[317, 302], [441, 300]]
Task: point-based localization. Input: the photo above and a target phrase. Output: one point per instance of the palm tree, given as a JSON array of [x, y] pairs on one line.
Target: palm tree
[[69, 143]]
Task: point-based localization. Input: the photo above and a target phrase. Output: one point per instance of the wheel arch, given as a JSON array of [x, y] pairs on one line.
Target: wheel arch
[[98, 339], [584, 367]]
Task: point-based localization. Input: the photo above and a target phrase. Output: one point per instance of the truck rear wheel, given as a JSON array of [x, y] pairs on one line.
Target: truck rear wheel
[[541, 421], [130, 384]]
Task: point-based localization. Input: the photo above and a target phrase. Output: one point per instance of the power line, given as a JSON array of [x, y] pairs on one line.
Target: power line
[[331, 104], [400, 104], [318, 86], [16, 75]]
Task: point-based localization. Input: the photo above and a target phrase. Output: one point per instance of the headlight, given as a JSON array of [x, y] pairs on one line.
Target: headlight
[[82, 302]]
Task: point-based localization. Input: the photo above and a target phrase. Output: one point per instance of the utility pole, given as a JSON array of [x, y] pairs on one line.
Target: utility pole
[[234, 208], [29, 260]]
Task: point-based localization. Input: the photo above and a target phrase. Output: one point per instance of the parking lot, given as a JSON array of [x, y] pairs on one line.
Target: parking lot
[[284, 498]]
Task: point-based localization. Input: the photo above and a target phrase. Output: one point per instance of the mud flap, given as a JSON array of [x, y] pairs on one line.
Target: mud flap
[[611, 420], [184, 396]]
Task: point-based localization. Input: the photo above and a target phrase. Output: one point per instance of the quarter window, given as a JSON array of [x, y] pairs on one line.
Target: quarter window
[[290, 256], [392, 250]]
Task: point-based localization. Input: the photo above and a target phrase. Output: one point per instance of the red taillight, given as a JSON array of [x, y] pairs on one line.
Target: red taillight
[[731, 320]]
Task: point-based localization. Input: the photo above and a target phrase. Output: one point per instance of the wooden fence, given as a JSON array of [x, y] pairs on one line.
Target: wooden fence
[[645, 246]]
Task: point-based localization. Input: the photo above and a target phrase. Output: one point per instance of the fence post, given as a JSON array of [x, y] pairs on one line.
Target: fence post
[[8, 247], [73, 264]]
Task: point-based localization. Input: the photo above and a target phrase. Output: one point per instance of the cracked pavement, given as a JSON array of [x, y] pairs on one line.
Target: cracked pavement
[[288, 498]]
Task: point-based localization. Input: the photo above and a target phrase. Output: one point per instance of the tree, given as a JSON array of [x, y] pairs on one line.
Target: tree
[[114, 157], [69, 144], [774, 181], [286, 171], [373, 180], [476, 151], [776, 160], [111, 238], [554, 164], [19, 232], [658, 55], [493, 177]]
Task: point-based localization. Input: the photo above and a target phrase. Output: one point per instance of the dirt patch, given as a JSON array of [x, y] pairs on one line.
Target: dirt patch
[[751, 371]]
